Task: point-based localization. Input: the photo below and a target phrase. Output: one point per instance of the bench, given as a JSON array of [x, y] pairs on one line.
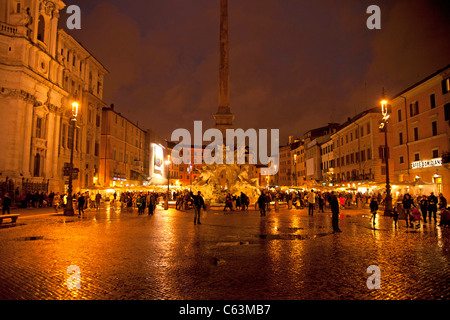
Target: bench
[[13, 217]]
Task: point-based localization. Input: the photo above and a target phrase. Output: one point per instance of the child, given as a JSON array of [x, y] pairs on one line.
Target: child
[[395, 215], [373, 209]]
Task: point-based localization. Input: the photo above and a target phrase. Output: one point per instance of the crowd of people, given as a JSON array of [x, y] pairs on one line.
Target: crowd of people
[[414, 210]]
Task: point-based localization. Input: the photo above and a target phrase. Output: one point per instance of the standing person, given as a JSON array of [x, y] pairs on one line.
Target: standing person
[[6, 203], [311, 202], [334, 205], [373, 209], [262, 204], [423, 203], [432, 207], [244, 201], [98, 197], [199, 203], [151, 204], [407, 208], [321, 202], [140, 204], [81, 201]]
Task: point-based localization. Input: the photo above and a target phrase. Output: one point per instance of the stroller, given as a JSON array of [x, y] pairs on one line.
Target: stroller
[[415, 216]]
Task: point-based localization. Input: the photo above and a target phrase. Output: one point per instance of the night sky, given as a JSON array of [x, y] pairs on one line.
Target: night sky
[[294, 64]]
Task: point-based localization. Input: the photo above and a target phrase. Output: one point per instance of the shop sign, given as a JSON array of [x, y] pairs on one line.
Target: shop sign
[[426, 163]]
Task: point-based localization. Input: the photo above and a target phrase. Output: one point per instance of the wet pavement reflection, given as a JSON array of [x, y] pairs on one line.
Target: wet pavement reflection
[[239, 255]]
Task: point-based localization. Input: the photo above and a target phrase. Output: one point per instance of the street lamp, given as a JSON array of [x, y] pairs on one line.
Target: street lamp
[[294, 175], [383, 127], [166, 202], [68, 209]]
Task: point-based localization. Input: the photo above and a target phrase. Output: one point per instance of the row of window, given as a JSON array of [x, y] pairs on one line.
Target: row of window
[[414, 107], [67, 141], [434, 155], [349, 137], [434, 132]]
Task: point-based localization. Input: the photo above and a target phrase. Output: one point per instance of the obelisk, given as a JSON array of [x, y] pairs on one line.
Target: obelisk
[[224, 118]]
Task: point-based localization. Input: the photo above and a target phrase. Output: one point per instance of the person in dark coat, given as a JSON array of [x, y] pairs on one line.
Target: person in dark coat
[[432, 206], [262, 204], [373, 209], [151, 204], [423, 203], [228, 202], [199, 203], [334, 205], [81, 201], [407, 208], [6, 203]]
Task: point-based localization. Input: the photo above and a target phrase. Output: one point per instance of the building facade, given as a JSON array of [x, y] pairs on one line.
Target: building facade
[[122, 151], [42, 71], [357, 150], [419, 131], [284, 174]]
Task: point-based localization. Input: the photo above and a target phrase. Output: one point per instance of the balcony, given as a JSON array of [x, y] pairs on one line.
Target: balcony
[[11, 30]]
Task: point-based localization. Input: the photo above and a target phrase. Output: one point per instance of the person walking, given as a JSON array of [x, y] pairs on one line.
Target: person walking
[[199, 203], [262, 204], [56, 201], [423, 203], [373, 209], [432, 206], [81, 201], [6, 203], [334, 205], [228, 202], [311, 202]]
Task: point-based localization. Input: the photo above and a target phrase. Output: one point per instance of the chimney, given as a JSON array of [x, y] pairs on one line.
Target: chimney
[[112, 106], [291, 139]]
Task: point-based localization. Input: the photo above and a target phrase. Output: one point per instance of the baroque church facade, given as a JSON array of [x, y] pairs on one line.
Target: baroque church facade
[[43, 70]]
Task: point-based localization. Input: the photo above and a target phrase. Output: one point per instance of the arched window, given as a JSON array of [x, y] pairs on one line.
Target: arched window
[[37, 165], [41, 28]]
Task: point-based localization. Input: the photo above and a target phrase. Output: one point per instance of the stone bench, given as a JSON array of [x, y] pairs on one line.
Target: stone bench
[[13, 217]]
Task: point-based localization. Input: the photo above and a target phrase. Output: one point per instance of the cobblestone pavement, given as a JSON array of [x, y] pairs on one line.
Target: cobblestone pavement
[[230, 256]]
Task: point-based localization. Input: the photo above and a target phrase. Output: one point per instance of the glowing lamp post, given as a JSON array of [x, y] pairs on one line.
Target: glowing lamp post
[[68, 210], [166, 202], [383, 127]]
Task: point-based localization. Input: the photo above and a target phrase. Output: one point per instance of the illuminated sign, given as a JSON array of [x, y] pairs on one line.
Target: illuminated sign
[[158, 157], [426, 163]]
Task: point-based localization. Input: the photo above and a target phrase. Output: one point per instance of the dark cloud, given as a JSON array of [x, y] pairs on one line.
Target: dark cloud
[[294, 65]]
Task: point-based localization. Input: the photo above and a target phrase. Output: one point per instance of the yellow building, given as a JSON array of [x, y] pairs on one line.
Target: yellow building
[[419, 132], [122, 151]]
